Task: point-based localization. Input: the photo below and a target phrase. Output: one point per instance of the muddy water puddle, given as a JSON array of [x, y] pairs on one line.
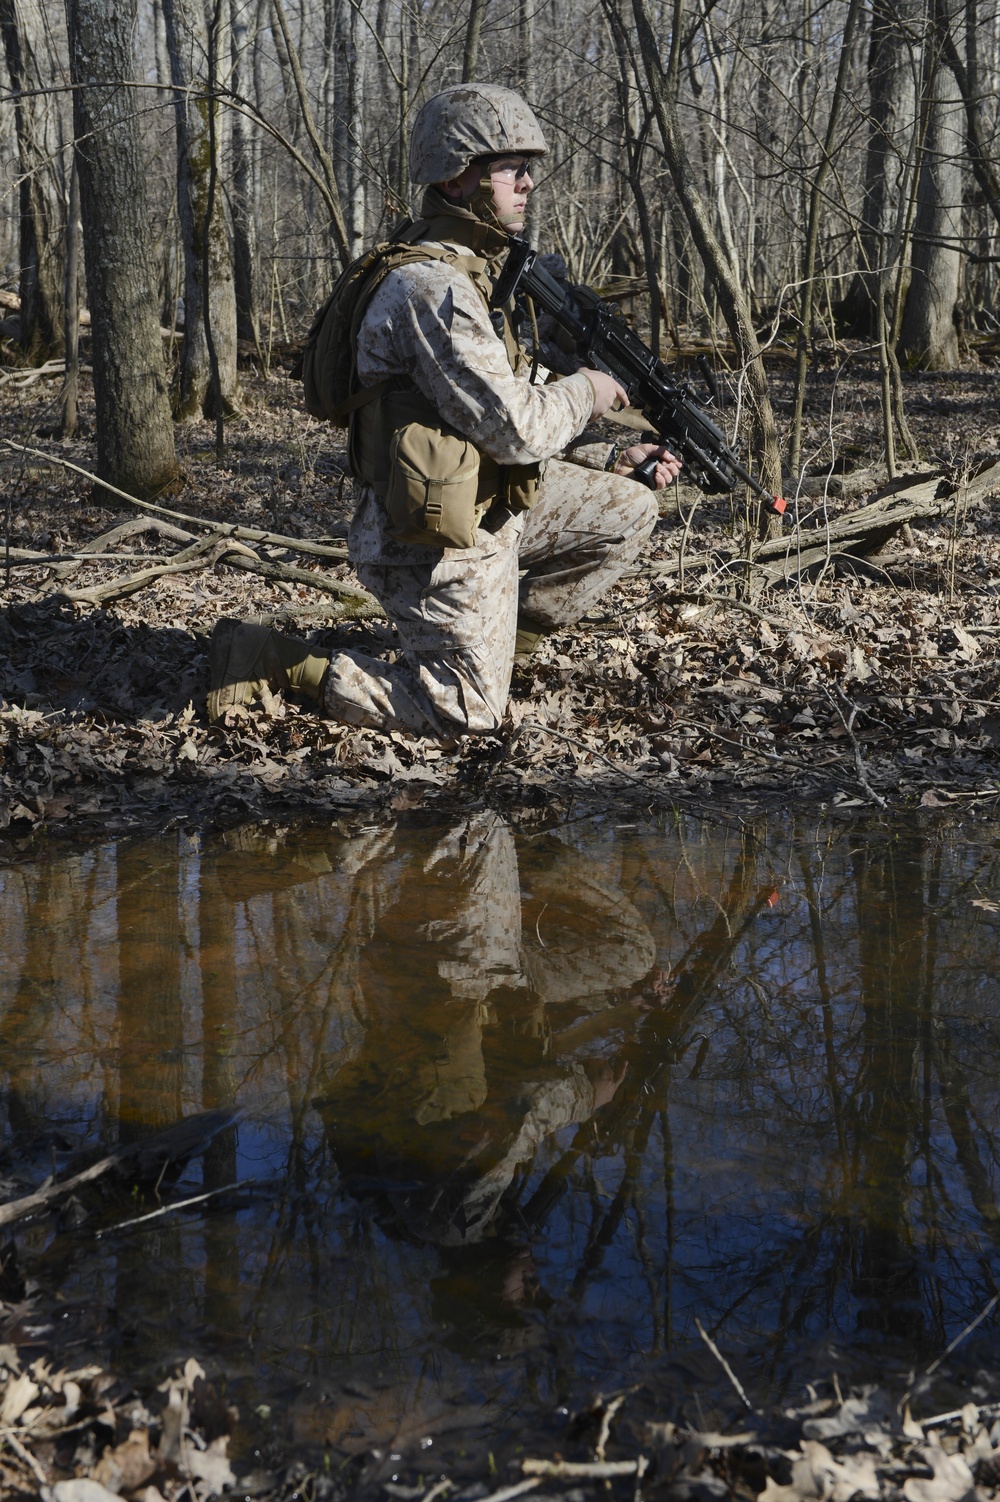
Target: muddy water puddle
[[509, 1113]]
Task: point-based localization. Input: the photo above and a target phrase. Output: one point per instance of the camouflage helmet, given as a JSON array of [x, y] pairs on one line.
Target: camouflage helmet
[[470, 120]]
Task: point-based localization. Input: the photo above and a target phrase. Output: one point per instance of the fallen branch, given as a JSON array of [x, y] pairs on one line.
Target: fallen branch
[[137, 527], [222, 529], [15, 1210], [364, 604], [212, 551], [856, 534], [68, 563], [202, 554]]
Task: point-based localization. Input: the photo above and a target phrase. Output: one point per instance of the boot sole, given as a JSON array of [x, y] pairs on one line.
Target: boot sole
[[220, 651]]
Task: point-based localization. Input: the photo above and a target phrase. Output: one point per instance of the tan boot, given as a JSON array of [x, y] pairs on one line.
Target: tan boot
[[529, 637], [245, 660]]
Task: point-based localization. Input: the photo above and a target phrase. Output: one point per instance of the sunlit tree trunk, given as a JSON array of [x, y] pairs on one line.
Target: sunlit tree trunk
[[26, 42], [349, 95], [191, 35], [135, 437], [244, 198], [929, 333], [892, 76]]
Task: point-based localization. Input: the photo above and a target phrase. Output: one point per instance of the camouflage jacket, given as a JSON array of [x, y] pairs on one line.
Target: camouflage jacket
[[428, 321]]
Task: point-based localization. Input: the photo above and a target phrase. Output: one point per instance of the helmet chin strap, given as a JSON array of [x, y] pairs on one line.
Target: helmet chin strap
[[480, 202]]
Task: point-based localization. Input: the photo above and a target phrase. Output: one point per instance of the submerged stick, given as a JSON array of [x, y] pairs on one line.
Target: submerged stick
[[723, 1362], [587, 1470], [27, 1205], [195, 1199]]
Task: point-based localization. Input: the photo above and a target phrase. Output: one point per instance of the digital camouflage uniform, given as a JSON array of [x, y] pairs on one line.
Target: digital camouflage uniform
[[456, 610]]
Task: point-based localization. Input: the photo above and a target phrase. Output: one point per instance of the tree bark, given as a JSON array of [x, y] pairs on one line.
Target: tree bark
[[888, 157], [71, 380], [205, 235], [929, 334], [245, 205], [473, 32], [135, 437], [40, 195], [811, 257], [349, 95]]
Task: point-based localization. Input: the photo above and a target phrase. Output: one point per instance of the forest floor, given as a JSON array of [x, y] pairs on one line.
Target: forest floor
[[873, 681]]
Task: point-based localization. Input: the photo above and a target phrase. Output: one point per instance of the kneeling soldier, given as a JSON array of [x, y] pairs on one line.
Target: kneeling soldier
[[475, 538]]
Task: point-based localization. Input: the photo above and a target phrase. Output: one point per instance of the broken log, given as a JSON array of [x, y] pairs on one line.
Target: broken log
[[859, 533]]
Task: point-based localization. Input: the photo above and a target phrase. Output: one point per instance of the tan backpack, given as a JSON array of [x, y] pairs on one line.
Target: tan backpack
[[329, 365]]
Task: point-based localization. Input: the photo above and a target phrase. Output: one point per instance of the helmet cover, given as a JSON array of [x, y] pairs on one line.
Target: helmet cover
[[470, 120]]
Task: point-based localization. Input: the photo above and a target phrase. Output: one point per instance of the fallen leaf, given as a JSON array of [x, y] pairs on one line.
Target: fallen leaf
[[952, 1481], [20, 1394], [127, 1466]]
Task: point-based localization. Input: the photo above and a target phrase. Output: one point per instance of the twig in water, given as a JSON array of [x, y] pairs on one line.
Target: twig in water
[[438, 1490], [723, 1362], [984, 1314], [15, 1210], [609, 1413], [595, 1470], [506, 1492], [196, 1199]]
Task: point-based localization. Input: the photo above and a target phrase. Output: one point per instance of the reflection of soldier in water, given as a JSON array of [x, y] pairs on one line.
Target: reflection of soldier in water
[[477, 979]]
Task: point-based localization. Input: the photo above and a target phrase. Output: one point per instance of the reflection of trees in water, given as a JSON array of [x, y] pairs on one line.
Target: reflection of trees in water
[[867, 1061], [783, 1121]]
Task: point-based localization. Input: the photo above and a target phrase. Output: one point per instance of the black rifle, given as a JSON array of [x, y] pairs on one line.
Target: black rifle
[[605, 341]]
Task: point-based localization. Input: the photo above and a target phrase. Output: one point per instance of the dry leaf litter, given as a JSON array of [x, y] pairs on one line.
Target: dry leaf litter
[[868, 680]]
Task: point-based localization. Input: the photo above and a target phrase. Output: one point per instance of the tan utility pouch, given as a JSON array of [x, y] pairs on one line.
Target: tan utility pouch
[[522, 484], [433, 486]]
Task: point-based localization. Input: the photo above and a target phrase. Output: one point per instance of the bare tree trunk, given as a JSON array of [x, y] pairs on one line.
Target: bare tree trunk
[[71, 381], [135, 436], [810, 261], [41, 227], [473, 32], [349, 94], [723, 275], [966, 74], [246, 272], [929, 335], [892, 81], [205, 234]]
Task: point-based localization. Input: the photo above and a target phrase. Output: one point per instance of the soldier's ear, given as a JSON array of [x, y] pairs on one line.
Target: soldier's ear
[[453, 188]]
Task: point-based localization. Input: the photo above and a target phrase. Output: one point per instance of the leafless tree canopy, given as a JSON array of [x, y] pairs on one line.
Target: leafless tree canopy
[[765, 171]]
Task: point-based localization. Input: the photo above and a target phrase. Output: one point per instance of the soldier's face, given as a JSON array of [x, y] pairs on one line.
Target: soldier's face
[[512, 183]]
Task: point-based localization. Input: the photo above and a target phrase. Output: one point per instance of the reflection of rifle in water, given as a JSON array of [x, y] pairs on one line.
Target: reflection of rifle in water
[[660, 1042]]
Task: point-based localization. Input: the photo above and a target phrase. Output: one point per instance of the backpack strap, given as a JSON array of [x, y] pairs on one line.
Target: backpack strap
[[402, 253]]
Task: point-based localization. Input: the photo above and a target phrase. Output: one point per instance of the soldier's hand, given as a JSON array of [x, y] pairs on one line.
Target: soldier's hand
[[668, 466], [608, 393]]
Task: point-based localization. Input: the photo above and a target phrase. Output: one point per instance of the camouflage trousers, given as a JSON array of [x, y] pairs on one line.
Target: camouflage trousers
[[456, 612]]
